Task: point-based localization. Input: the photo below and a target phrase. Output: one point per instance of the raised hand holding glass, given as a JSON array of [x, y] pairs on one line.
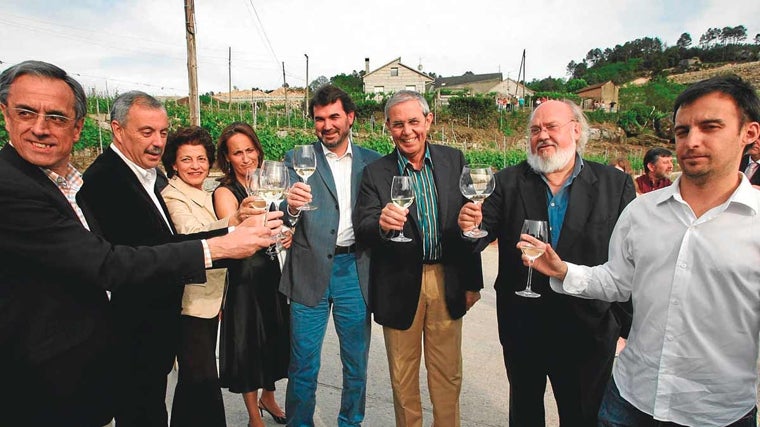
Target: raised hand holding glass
[[402, 195], [539, 230]]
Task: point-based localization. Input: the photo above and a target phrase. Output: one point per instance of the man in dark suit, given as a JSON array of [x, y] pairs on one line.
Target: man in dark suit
[[571, 341], [421, 288], [750, 163], [121, 189], [55, 326], [325, 268]]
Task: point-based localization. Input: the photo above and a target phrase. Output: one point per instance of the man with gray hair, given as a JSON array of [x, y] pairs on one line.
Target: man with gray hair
[[419, 290], [569, 340]]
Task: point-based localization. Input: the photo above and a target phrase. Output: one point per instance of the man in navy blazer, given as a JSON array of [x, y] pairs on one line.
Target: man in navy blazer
[[56, 331], [572, 341], [419, 289], [326, 268], [752, 155]]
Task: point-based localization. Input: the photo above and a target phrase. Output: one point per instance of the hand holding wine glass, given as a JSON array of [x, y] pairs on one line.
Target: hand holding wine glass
[[305, 164], [540, 231], [402, 195], [476, 183]]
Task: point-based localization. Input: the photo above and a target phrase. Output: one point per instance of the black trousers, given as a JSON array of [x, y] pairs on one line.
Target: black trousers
[[198, 396]]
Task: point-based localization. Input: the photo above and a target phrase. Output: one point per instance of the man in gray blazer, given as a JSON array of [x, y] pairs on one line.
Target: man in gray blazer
[[325, 268]]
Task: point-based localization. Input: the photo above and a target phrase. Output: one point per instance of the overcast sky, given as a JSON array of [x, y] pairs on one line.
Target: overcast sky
[[140, 44]]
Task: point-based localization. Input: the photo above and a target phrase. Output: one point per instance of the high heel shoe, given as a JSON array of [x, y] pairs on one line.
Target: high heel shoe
[[278, 420]]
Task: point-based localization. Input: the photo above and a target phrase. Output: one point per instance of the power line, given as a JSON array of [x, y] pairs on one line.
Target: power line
[[263, 32]]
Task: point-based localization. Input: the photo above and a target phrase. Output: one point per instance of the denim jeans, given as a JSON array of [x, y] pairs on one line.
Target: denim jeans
[[308, 325], [617, 412]]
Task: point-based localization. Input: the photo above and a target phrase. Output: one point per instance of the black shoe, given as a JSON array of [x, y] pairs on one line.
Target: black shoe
[[278, 420]]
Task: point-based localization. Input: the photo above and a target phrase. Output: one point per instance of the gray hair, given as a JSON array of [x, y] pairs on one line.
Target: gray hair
[[578, 116], [125, 101], [407, 95], [46, 70]]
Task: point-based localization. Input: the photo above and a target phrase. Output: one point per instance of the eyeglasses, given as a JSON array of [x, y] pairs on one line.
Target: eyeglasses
[[550, 128], [29, 116]]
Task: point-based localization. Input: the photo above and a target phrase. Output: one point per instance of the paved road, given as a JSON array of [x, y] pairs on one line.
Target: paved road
[[484, 390]]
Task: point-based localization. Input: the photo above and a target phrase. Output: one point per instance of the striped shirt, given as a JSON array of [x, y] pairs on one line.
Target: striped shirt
[[426, 197], [69, 186]]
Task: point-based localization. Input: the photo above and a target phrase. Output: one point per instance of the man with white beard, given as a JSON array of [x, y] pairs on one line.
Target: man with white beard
[[569, 340]]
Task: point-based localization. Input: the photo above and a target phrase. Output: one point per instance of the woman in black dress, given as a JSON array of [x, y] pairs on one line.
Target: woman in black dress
[[254, 344]]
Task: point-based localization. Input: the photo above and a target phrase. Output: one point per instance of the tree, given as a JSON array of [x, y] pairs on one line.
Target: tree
[[594, 56], [572, 65], [316, 83], [757, 38], [575, 84], [351, 83], [684, 41]]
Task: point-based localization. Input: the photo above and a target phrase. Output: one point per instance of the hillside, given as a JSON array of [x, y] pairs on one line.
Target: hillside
[[749, 71]]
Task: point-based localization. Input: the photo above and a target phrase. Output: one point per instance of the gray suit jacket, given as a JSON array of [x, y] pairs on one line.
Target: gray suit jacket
[[308, 267]]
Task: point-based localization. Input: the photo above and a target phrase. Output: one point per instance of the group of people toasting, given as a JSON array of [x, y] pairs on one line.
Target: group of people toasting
[[396, 238]]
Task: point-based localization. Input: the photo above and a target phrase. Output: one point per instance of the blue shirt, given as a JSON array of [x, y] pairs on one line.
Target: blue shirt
[[557, 203]]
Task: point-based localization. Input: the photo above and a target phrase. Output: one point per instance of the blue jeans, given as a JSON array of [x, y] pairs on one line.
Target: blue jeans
[[617, 412], [308, 324]]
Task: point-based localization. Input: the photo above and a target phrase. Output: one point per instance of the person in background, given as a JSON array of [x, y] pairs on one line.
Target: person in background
[[570, 341], [750, 163], [687, 255], [255, 335], [187, 159], [658, 165], [56, 326], [325, 270], [419, 290], [622, 164]]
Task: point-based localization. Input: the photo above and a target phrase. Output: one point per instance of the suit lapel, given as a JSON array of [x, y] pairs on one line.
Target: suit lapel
[[324, 172], [443, 169], [582, 201], [530, 185]]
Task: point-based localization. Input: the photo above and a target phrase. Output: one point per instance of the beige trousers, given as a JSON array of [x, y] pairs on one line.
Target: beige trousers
[[443, 357]]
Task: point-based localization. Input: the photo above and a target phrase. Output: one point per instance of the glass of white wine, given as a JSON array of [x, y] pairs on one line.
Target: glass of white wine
[[476, 183], [273, 179], [305, 164], [252, 187], [539, 230], [402, 195]]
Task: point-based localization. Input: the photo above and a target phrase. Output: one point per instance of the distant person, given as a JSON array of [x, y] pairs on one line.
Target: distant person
[[658, 165], [420, 290], [56, 329], [120, 188], [750, 163], [688, 256], [622, 164], [570, 341], [255, 333], [326, 270]]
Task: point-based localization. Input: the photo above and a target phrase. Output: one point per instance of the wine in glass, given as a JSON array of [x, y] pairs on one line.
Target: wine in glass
[[252, 187], [402, 195], [539, 230], [305, 164], [273, 179], [476, 183]]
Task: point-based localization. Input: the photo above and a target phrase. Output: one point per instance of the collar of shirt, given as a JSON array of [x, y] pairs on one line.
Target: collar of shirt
[[330, 155], [69, 186], [743, 195], [147, 177], [404, 163]]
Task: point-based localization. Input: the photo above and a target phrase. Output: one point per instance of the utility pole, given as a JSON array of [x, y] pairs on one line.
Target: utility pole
[[306, 96], [229, 79], [192, 64], [285, 86]]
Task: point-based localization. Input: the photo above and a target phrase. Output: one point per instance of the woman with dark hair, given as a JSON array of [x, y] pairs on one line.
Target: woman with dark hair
[[187, 158], [255, 337]]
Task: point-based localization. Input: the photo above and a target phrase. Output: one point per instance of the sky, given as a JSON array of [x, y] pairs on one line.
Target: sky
[[112, 46]]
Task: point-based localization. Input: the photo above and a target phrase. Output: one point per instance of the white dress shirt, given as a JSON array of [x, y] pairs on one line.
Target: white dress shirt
[[341, 171], [691, 356]]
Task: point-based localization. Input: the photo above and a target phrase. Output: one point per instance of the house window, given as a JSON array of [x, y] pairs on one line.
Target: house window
[[411, 87], [379, 89], [394, 71]]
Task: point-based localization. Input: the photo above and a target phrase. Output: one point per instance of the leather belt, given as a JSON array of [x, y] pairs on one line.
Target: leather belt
[[342, 250]]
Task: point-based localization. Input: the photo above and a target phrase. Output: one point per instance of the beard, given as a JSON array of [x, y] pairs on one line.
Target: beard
[[552, 163]]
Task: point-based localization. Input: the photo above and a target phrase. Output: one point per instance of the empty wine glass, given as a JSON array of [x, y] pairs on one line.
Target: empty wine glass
[[402, 195], [476, 183], [539, 230]]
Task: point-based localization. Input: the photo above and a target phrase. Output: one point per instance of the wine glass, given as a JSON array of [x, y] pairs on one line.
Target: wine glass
[[252, 187], [476, 183], [273, 179], [402, 195], [539, 230], [305, 164]]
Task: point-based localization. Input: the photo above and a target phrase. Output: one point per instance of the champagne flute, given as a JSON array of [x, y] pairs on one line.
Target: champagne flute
[[305, 164], [476, 183], [539, 230], [402, 195]]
